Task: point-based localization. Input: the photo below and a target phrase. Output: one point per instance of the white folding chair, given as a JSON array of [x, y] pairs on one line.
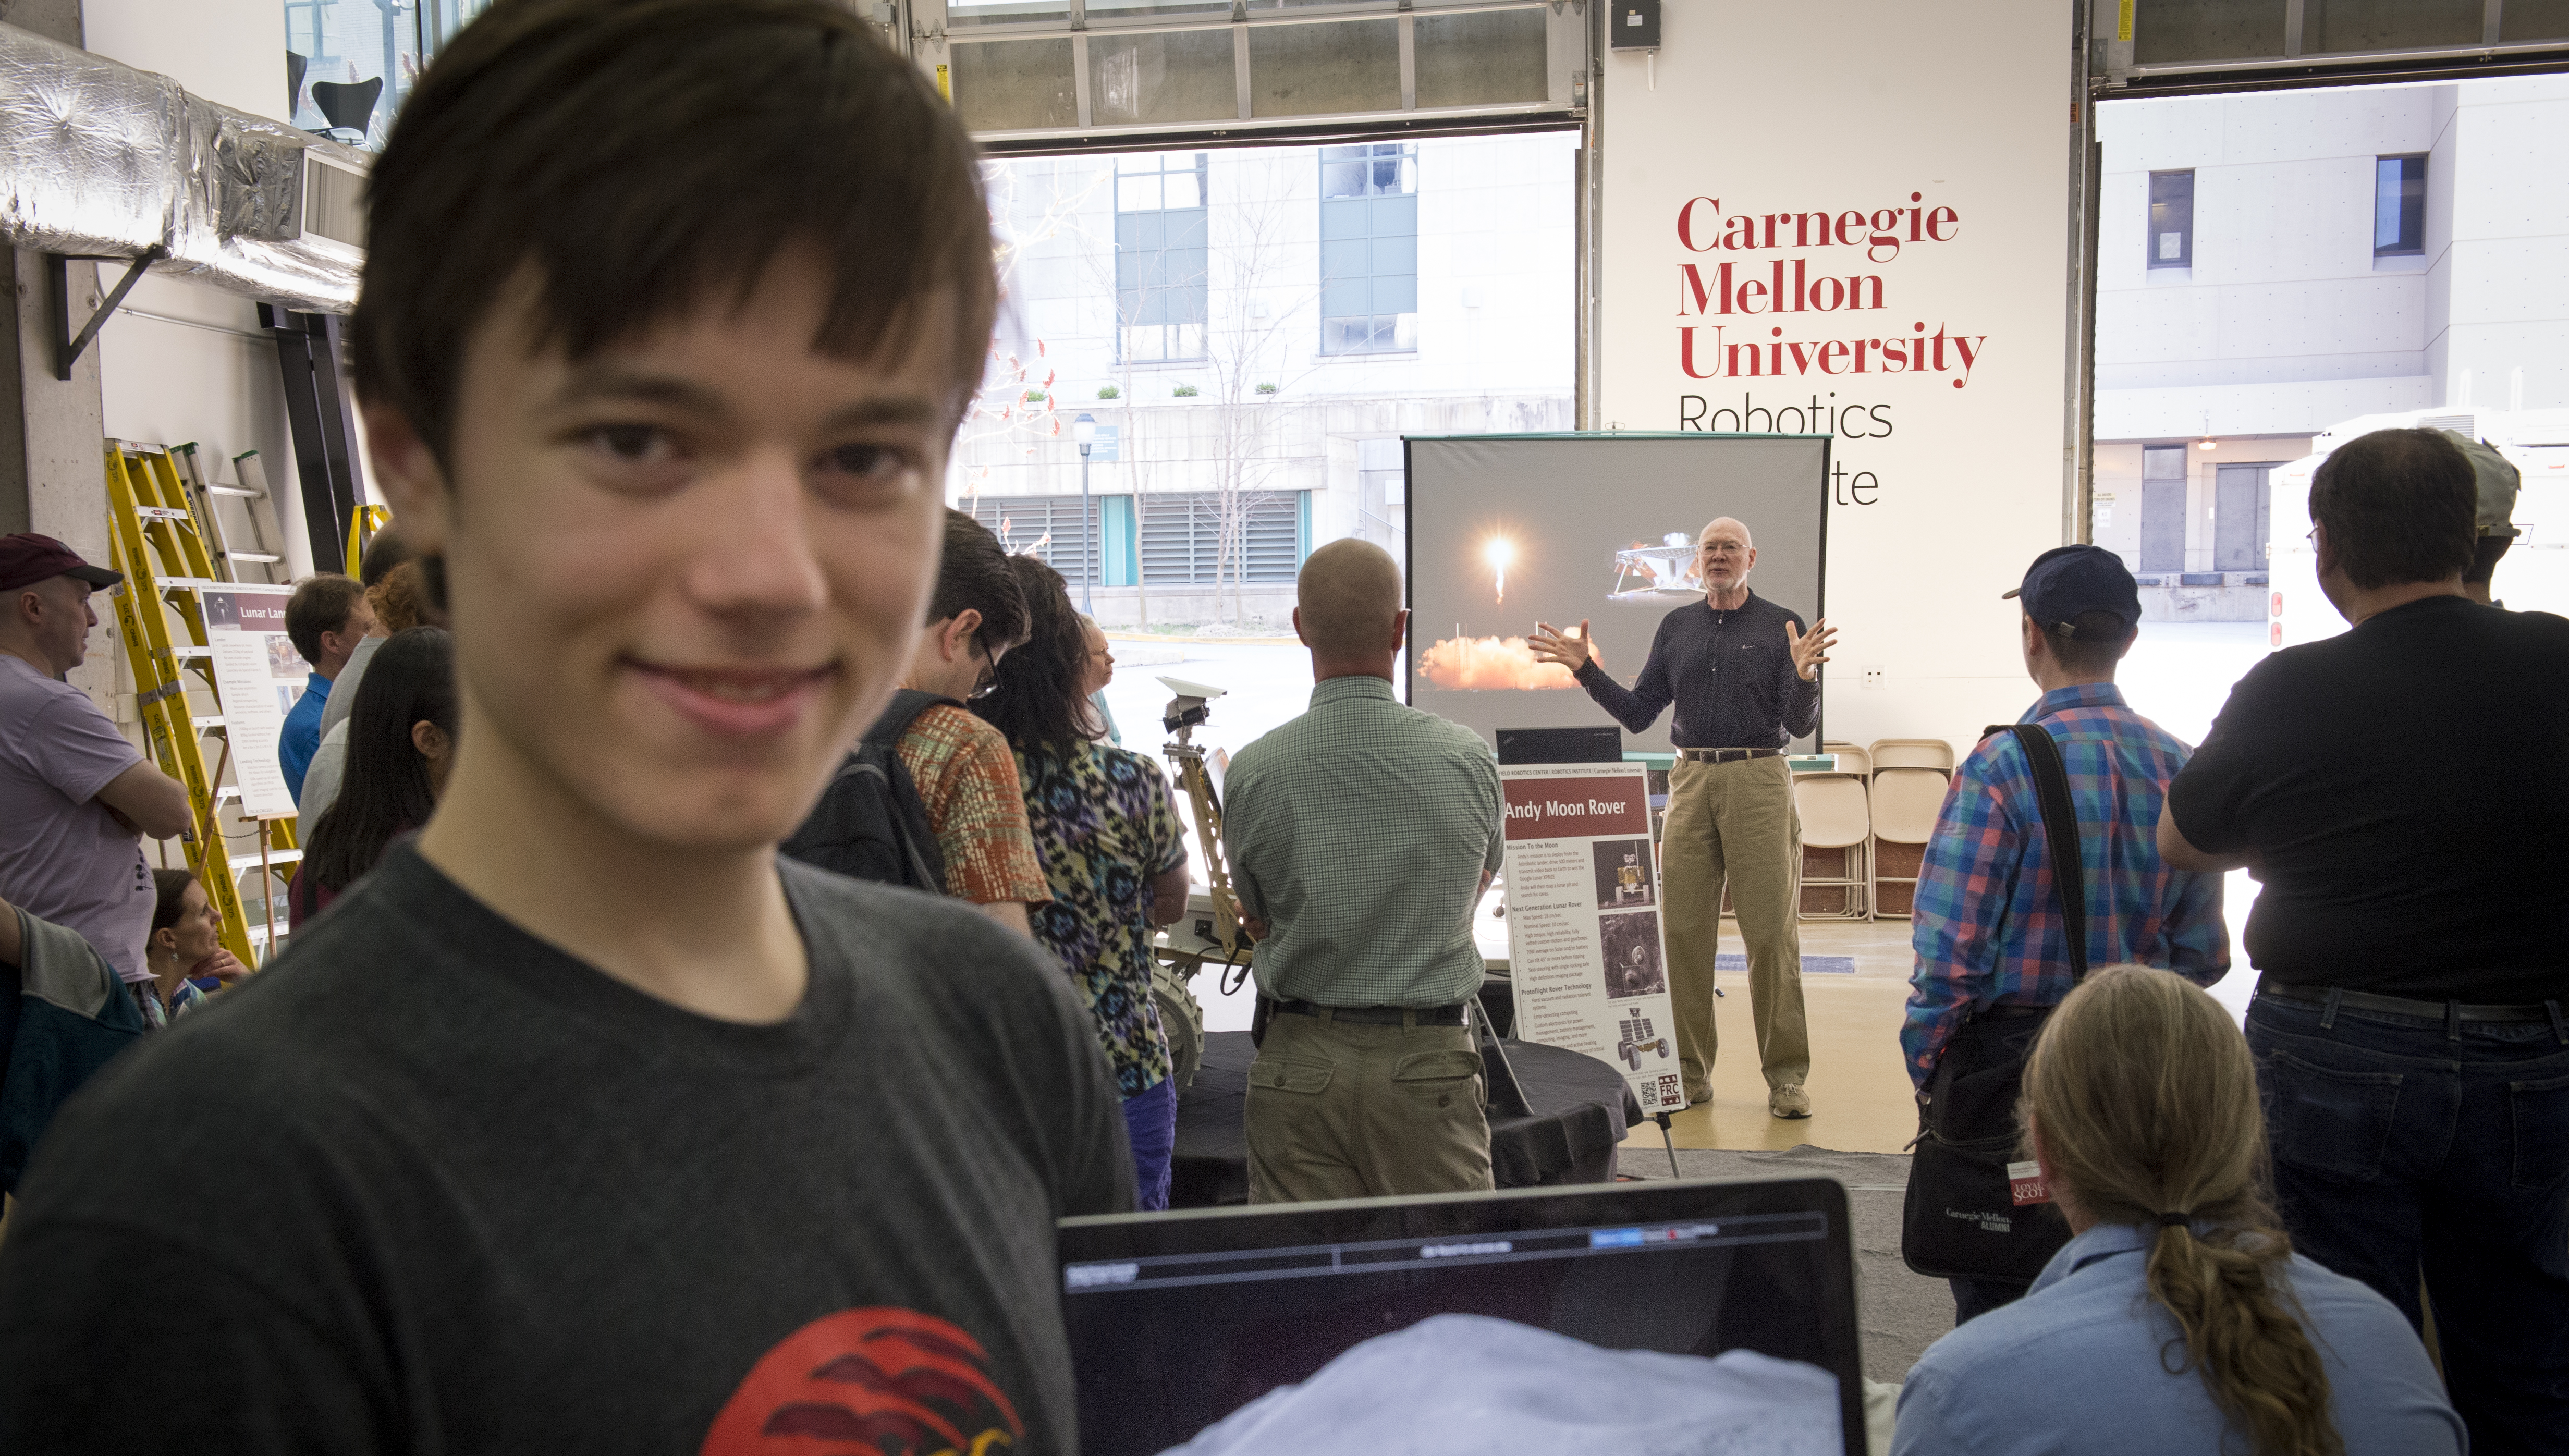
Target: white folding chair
[[1836, 816], [1913, 753], [1905, 803]]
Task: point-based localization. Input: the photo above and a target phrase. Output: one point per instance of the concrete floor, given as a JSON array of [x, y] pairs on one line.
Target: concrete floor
[[1861, 1100]]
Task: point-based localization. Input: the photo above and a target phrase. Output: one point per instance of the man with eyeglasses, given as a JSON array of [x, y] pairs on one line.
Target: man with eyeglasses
[[1745, 678], [960, 766]]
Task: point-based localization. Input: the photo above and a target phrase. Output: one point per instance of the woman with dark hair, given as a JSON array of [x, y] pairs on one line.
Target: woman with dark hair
[[1111, 852], [401, 746], [2177, 1319], [185, 952]]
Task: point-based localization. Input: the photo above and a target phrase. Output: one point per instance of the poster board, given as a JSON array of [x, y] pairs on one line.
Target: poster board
[[259, 677], [1586, 946], [1509, 529]]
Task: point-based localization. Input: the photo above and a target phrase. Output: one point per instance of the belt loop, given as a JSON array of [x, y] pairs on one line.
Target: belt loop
[[1408, 1018], [2327, 1013], [2559, 1028], [2453, 1022], [1326, 1013]]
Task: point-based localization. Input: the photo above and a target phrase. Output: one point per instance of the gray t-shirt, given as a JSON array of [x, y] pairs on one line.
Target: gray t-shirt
[[433, 1185], [63, 856]]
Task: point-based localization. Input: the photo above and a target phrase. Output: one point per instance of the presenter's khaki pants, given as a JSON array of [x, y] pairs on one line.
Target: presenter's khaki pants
[[1736, 822], [1338, 1109]]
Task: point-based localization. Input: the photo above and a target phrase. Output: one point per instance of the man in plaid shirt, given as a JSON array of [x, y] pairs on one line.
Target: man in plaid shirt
[[1988, 923]]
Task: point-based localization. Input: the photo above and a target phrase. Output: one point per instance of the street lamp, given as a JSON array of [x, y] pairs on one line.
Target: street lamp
[[1084, 431]]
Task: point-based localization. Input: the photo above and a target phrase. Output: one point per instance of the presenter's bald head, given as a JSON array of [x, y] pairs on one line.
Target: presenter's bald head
[[1347, 603]]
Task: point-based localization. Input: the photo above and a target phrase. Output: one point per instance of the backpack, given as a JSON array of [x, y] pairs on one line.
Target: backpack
[[871, 822]]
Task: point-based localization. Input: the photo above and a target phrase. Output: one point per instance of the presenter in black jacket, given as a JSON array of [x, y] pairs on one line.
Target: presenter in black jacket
[[1745, 678]]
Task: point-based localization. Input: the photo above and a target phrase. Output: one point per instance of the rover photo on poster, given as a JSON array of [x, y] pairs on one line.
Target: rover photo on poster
[[1625, 879], [1506, 530]]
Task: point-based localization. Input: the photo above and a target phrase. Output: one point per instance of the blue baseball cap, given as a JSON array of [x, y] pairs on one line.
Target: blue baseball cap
[[2066, 581]]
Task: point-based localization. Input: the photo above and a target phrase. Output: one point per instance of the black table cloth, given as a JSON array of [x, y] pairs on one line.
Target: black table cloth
[[1581, 1108]]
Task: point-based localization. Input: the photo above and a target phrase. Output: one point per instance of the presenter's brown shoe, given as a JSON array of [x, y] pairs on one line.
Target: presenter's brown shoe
[[1789, 1101]]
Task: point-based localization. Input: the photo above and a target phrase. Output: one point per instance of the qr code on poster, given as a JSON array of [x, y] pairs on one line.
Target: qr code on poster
[[1671, 1092]]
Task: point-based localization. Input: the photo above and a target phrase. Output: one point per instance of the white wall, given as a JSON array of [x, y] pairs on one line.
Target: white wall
[[1847, 105], [184, 362], [227, 51]]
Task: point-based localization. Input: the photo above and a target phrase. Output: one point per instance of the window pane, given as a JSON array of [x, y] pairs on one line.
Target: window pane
[[1314, 70], [2379, 25], [1183, 189], [2386, 203], [960, 14], [1136, 193], [1005, 85], [1481, 59], [1178, 76], [2172, 233], [351, 68]]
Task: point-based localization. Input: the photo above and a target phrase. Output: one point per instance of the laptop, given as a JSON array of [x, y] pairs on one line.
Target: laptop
[[1709, 1304], [1561, 745]]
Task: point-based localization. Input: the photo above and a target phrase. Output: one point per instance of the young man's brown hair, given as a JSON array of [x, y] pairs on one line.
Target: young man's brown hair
[[613, 166], [320, 605]]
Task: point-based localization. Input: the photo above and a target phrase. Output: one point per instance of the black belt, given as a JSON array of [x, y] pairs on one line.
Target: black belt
[[1381, 1015], [1726, 755], [2319, 998], [2009, 1012]]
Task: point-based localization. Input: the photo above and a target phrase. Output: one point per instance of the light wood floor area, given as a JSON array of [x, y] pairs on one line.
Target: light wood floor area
[[1861, 1101]]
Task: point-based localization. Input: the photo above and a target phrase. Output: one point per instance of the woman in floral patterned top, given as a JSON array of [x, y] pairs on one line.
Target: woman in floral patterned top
[[1112, 852]]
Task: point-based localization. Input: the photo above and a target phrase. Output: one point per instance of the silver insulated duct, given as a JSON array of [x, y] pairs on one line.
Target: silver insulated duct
[[101, 160]]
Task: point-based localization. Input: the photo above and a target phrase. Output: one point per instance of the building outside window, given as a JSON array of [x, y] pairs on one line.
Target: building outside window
[[1369, 249], [2172, 219], [2399, 206], [1161, 255]]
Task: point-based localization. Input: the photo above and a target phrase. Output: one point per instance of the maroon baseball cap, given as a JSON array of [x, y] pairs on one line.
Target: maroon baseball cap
[[27, 559]]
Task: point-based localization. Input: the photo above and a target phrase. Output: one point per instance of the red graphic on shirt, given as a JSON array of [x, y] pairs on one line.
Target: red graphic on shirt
[[869, 1382]]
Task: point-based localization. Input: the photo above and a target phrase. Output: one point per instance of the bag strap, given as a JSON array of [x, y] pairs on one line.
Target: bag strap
[[903, 710], [2060, 827]]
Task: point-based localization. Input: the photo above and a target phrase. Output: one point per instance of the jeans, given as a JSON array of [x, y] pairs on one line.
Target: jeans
[[2402, 1145], [1151, 1122]]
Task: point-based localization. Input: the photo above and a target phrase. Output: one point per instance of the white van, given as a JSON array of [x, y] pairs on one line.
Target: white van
[[2534, 575]]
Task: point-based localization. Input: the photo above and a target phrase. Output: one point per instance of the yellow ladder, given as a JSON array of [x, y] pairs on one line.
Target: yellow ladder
[[203, 493], [160, 543]]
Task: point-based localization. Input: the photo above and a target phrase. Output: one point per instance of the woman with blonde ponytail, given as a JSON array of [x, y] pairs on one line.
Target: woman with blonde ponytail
[[2177, 1319]]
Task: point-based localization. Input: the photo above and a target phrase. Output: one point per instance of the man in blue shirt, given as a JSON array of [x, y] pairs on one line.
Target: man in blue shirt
[[326, 620], [1988, 922]]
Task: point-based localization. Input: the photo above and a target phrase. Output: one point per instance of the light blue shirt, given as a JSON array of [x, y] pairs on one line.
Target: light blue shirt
[[2074, 1367]]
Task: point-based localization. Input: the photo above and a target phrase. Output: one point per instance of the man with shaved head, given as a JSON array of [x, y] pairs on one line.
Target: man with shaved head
[[1361, 836], [1745, 679]]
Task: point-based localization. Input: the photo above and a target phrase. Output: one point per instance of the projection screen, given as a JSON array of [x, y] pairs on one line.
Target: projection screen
[[1508, 530]]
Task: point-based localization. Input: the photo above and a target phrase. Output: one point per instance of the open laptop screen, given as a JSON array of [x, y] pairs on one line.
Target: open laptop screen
[[1318, 1314]]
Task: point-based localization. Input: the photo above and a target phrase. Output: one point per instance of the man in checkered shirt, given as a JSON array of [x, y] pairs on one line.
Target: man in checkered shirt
[[1988, 925]]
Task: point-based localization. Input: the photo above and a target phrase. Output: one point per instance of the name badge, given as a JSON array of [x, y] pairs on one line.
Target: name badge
[[2025, 1185]]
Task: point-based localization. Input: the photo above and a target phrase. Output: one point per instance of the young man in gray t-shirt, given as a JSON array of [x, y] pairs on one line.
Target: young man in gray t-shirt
[[582, 1124]]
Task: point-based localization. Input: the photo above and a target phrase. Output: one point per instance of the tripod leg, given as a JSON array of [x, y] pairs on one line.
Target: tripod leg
[[1668, 1137]]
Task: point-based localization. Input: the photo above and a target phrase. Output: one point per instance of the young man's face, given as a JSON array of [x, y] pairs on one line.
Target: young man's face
[[685, 573]]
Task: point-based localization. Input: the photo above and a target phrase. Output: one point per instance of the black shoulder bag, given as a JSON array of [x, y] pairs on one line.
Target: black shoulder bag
[[1961, 1219]]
